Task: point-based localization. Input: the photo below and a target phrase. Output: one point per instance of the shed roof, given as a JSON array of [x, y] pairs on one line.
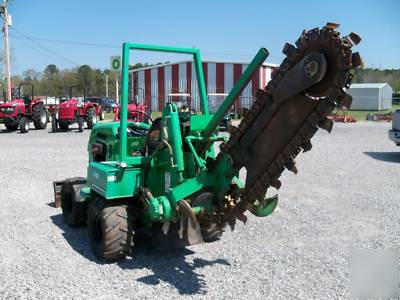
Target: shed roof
[[368, 85]]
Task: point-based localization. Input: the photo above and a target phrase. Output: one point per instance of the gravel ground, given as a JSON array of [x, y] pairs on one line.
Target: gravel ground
[[346, 195]]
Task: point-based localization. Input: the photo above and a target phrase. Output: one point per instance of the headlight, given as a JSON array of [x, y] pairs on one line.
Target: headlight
[[7, 109]]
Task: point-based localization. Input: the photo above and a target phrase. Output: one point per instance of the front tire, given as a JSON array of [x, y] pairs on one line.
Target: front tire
[[74, 211], [80, 124], [63, 126], [91, 117], [39, 116], [24, 125], [110, 227], [53, 124], [101, 115], [11, 126]]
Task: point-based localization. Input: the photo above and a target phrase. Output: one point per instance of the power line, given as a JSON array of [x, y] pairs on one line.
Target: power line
[[35, 48], [46, 49], [68, 42], [115, 46]]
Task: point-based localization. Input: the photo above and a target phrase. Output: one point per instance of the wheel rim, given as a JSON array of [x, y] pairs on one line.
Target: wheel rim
[[26, 126]]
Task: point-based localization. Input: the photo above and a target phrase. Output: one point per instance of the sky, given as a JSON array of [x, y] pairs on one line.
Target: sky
[[76, 32]]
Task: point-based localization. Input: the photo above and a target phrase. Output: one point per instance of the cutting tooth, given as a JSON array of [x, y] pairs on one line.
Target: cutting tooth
[[345, 101], [331, 26], [291, 166], [356, 60], [289, 50], [276, 183], [326, 124], [306, 146], [355, 38]]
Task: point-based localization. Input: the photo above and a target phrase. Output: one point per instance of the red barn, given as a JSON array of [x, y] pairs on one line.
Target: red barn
[[153, 85]]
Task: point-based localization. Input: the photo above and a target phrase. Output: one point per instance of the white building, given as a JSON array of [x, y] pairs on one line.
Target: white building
[[371, 96]]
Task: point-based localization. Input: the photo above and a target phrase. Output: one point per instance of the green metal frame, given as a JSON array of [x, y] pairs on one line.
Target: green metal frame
[[184, 157], [125, 82]]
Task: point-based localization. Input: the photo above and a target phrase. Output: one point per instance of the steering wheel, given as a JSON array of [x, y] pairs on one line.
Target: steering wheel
[[141, 112]]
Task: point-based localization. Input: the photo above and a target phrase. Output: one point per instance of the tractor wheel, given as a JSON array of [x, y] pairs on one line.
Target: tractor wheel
[[91, 117], [80, 124], [101, 115], [74, 211], [110, 227], [39, 116], [63, 126], [53, 124], [24, 125], [10, 126]]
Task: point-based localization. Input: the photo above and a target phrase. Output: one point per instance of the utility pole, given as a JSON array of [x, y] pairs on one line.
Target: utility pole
[[106, 85], [3, 11]]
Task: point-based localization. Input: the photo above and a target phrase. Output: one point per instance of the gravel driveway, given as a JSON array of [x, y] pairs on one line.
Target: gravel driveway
[[346, 195]]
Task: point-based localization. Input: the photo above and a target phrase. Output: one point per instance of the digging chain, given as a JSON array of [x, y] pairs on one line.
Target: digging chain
[[331, 96]]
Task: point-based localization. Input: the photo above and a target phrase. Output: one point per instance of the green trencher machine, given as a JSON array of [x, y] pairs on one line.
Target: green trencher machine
[[168, 177]]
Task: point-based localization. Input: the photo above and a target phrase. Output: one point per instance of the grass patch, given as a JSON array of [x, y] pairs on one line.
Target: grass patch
[[361, 115], [109, 117]]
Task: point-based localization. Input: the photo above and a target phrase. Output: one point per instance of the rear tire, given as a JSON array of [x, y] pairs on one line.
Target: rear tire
[[110, 227], [90, 117], [24, 125], [39, 116], [74, 211]]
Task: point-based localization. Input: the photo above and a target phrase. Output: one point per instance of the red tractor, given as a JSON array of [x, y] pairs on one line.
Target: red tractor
[[75, 110], [22, 110], [136, 112]]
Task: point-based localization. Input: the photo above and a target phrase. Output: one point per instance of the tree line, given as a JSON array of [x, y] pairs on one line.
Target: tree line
[[55, 82], [390, 76]]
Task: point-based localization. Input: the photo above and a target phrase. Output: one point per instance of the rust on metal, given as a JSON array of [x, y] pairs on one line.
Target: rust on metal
[[332, 26]]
